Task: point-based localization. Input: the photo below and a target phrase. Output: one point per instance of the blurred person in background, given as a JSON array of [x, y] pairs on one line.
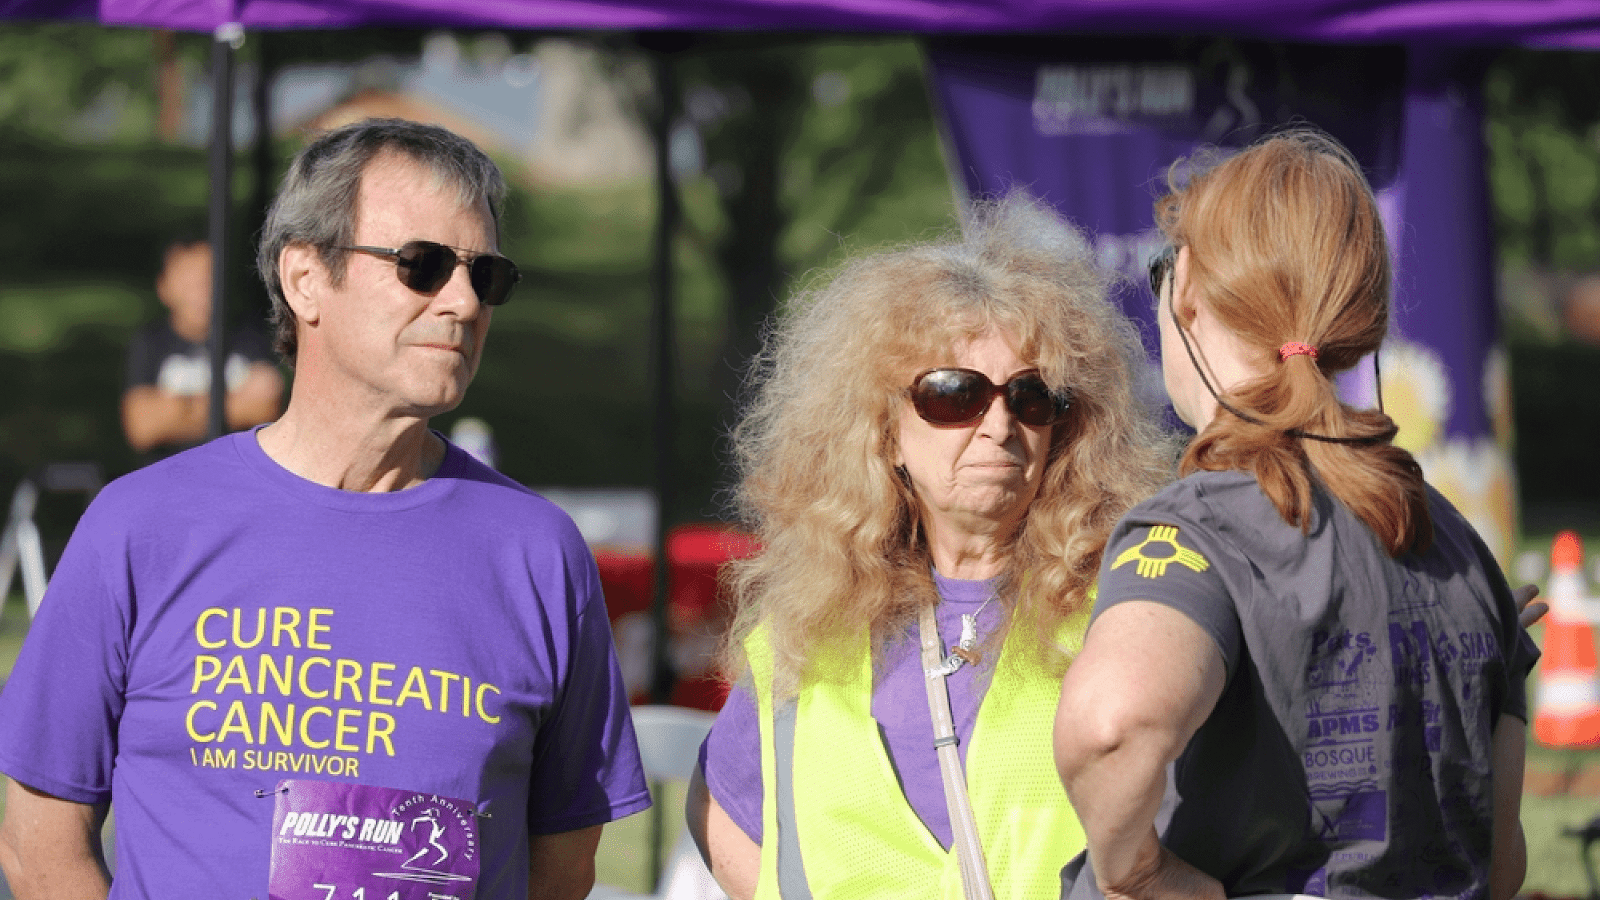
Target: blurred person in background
[[939, 442], [1305, 674], [167, 390], [335, 654]]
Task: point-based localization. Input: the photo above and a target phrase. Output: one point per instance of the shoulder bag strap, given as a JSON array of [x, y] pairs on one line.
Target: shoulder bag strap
[[974, 872]]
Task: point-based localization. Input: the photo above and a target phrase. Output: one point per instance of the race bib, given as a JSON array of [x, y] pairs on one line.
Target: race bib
[[335, 841]]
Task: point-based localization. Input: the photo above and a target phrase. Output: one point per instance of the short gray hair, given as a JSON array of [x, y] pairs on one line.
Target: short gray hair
[[316, 204]]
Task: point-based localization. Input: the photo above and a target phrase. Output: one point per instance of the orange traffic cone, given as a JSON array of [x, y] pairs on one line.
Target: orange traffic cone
[[1567, 713]]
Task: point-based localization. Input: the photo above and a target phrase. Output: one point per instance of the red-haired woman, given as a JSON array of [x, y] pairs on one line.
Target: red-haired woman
[[1305, 673]]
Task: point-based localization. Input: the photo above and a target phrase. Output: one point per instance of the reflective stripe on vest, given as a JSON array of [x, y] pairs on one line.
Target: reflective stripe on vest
[[843, 820]]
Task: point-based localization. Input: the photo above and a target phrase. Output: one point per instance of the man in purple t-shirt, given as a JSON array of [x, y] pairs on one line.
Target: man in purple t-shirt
[[335, 656]]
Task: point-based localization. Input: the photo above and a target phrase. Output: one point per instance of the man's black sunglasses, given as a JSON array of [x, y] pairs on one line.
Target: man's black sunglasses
[[426, 266]]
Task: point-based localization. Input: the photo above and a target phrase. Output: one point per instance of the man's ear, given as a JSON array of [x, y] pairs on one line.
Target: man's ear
[[304, 279]]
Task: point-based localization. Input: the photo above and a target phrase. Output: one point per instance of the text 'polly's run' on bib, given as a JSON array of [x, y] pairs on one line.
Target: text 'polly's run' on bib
[[334, 841]]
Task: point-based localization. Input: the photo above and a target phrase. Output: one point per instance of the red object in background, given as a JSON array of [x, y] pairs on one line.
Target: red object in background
[[1567, 709], [697, 614], [628, 578]]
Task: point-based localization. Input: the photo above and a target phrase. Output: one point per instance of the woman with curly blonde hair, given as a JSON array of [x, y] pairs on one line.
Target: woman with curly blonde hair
[[939, 441]]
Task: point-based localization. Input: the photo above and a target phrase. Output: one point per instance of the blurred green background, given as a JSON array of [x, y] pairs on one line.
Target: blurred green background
[[805, 149], [566, 380]]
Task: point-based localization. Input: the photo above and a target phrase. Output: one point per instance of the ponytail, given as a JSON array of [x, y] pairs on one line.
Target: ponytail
[[1287, 249], [1380, 483]]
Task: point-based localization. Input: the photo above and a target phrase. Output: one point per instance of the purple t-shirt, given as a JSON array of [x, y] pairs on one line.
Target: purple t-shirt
[[218, 624], [731, 755]]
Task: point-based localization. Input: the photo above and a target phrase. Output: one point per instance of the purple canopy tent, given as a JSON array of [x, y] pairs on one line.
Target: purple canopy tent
[[1022, 109], [1573, 24]]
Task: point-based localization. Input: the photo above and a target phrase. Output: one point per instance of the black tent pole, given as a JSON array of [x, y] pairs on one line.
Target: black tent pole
[[261, 157], [226, 39], [664, 363]]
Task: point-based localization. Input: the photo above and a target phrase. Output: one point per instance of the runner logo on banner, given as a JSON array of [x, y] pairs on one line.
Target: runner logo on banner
[[335, 841]]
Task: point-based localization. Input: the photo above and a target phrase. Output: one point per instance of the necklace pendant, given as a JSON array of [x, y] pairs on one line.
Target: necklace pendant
[[969, 639], [969, 631], [962, 653], [959, 656]]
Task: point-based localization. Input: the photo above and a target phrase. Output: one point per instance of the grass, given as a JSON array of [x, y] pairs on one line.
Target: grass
[[1554, 868], [13, 628], [624, 857]]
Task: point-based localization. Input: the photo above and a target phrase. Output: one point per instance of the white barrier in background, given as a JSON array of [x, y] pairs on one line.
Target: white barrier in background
[[20, 544]]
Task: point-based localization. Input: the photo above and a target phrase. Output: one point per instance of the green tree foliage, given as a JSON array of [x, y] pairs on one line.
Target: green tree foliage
[[80, 80], [812, 149], [1543, 133], [792, 152], [1544, 146]]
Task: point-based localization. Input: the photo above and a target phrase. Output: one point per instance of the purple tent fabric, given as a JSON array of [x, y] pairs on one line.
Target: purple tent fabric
[[1439, 225], [1544, 23], [72, 10], [1091, 124]]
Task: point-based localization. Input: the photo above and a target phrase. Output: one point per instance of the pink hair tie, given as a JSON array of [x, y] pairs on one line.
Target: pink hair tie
[[1296, 348]]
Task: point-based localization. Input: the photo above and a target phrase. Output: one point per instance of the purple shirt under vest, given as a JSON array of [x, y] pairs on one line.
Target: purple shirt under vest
[[731, 755]]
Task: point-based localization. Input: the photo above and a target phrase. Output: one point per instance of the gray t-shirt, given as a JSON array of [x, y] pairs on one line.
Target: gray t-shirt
[[1349, 753]]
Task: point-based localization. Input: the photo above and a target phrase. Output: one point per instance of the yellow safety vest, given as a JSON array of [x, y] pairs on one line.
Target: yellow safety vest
[[853, 830]]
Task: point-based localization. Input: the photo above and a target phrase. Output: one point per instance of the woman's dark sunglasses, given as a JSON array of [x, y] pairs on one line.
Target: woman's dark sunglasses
[[426, 266], [962, 396], [1161, 267]]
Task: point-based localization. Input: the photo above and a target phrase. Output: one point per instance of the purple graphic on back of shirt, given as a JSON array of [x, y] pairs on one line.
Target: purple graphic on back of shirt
[[1350, 812], [333, 840]]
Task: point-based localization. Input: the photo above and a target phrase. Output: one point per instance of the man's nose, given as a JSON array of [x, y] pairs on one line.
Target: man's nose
[[458, 295]]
